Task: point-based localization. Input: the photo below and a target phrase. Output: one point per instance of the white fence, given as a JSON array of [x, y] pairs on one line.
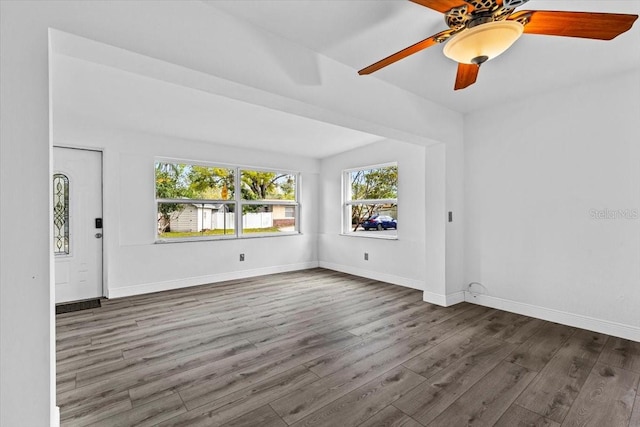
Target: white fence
[[249, 220], [222, 220], [257, 220], [197, 219]]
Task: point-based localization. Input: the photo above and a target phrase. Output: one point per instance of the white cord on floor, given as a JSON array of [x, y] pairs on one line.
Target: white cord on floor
[[476, 293]]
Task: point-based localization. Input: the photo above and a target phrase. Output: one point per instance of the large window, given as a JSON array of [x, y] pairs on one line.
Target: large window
[[201, 201], [371, 201]]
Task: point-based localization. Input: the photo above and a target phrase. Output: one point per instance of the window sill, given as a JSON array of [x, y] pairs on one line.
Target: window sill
[[231, 237], [370, 236]]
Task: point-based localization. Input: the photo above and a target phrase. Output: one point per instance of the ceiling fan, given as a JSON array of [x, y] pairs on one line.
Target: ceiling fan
[[480, 30]]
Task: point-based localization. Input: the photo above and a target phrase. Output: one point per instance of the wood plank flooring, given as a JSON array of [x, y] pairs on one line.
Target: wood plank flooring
[[321, 348]]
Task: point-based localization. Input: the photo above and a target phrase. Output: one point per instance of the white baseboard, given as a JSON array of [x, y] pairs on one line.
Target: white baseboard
[[443, 300], [55, 417], [383, 277], [146, 288], [565, 318]]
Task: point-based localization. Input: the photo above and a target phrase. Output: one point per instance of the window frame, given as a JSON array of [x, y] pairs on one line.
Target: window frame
[[348, 202], [269, 202], [65, 249], [237, 201]]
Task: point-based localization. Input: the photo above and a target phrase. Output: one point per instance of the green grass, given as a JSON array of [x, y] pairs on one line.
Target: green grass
[[217, 232]]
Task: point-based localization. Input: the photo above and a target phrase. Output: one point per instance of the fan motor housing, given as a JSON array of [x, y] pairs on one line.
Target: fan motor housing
[[511, 4]]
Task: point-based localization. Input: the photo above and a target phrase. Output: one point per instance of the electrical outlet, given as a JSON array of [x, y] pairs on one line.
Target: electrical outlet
[[366, 256], [241, 257]]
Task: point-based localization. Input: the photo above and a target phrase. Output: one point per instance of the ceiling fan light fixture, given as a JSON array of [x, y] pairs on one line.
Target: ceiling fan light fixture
[[483, 41]]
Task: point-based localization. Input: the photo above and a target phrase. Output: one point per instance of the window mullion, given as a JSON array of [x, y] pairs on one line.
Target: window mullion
[[195, 201], [370, 201], [270, 202], [238, 199]]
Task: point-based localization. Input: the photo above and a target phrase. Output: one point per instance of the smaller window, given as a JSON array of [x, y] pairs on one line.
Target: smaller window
[[289, 212], [371, 201], [60, 214]]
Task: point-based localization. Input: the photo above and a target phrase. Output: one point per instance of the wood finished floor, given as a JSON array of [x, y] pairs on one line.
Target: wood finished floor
[[321, 348]]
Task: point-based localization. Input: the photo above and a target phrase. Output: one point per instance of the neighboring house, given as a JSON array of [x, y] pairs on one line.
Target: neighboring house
[[199, 217], [284, 216]]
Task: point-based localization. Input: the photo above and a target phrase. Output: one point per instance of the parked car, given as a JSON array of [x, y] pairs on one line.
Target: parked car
[[379, 222]]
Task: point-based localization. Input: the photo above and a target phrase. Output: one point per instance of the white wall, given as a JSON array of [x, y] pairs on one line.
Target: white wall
[[27, 386], [532, 179], [435, 226], [400, 261], [454, 192], [134, 262]]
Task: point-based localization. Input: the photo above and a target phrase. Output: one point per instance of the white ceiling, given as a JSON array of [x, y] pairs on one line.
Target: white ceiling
[[358, 33], [87, 92], [353, 32]]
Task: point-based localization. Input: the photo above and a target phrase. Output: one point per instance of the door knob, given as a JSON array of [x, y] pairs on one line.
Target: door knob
[[98, 235]]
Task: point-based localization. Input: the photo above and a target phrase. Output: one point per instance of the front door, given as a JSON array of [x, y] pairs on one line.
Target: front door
[[77, 228]]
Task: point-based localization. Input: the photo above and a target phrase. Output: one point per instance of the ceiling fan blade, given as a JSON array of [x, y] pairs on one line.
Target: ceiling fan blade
[[467, 75], [440, 5], [421, 45], [589, 25]]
